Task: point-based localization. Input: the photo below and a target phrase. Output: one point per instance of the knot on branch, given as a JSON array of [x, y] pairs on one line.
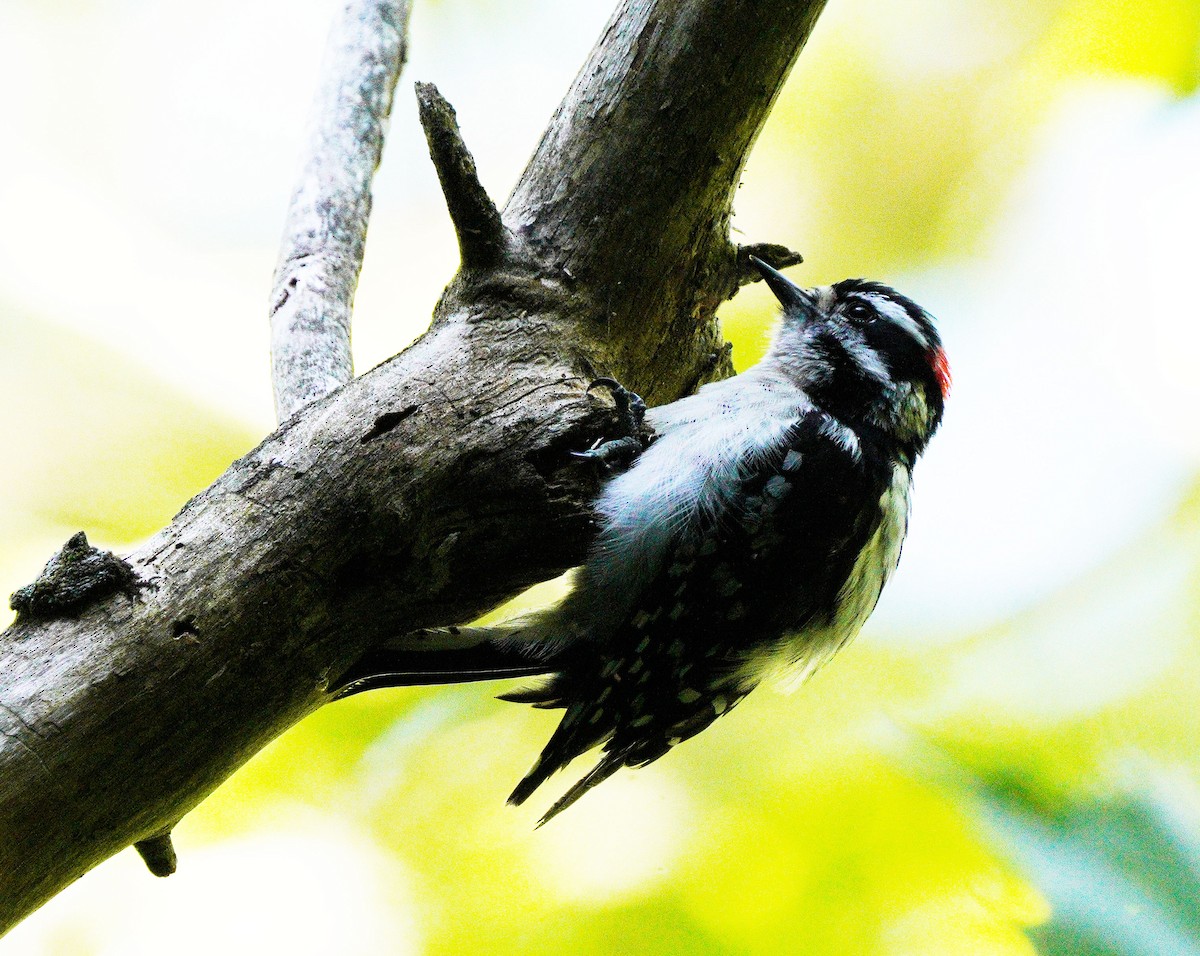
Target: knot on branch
[[76, 576], [158, 853], [482, 237]]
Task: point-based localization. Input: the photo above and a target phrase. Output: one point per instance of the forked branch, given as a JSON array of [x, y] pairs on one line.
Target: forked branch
[[424, 492]]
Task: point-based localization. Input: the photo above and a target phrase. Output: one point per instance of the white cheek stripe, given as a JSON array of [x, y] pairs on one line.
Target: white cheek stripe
[[868, 360], [897, 314]]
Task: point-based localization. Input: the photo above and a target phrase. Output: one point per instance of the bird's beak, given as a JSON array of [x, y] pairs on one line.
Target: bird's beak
[[793, 298]]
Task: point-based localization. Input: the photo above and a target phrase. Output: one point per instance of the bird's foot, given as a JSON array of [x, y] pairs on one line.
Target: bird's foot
[[617, 454]]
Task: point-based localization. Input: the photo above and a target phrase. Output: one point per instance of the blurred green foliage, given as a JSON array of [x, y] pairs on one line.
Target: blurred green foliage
[[91, 440], [799, 823], [1121, 872]]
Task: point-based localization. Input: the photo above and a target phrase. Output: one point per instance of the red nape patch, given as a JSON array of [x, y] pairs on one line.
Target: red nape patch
[[941, 368]]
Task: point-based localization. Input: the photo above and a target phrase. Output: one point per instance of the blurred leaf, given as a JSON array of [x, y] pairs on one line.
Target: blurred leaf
[[1155, 40], [92, 440], [1122, 875]]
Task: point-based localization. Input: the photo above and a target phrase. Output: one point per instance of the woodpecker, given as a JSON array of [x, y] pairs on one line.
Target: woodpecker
[[751, 537]]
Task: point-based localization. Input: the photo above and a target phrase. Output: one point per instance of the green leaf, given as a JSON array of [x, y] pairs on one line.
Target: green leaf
[[1122, 875]]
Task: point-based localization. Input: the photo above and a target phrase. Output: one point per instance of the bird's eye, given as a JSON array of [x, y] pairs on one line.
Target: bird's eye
[[860, 312]]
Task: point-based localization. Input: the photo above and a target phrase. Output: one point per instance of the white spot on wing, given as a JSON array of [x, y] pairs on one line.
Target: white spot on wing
[[840, 435]]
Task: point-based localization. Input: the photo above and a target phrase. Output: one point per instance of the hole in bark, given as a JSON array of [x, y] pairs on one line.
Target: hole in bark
[[386, 422], [185, 627], [546, 461]]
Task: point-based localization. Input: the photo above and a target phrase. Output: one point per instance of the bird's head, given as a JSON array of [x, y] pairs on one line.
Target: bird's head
[[864, 353]]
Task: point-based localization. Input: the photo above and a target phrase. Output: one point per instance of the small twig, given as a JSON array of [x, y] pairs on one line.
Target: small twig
[[482, 238], [325, 233], [772, 253]]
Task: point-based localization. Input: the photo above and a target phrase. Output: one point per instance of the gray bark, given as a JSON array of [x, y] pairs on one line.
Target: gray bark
[[423, 492], [326, 229]]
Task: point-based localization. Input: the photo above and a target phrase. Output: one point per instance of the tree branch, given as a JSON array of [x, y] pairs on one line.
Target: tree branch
[[482, 238], [665, 110], [321, 254], [421, 493]]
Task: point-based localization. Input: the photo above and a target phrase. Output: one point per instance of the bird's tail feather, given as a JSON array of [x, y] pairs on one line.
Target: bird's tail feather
[[442, 656], [610, 764], [536, 776], [573, 736], [547, 695]]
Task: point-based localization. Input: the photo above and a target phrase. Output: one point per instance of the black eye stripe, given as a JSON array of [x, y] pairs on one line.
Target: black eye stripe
[[851, 291]]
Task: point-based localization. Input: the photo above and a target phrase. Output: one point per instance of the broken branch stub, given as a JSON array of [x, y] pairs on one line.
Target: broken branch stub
[[482, 238]]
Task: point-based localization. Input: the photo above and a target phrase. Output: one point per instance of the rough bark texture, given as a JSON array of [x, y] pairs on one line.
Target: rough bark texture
[[423, 492], [326, 230]]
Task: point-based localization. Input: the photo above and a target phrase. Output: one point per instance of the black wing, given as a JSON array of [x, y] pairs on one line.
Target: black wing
[[770, 564], [441, 656]]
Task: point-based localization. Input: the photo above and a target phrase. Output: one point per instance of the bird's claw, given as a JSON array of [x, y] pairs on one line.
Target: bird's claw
[[619, 453], [630, 405], [615, 455]]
